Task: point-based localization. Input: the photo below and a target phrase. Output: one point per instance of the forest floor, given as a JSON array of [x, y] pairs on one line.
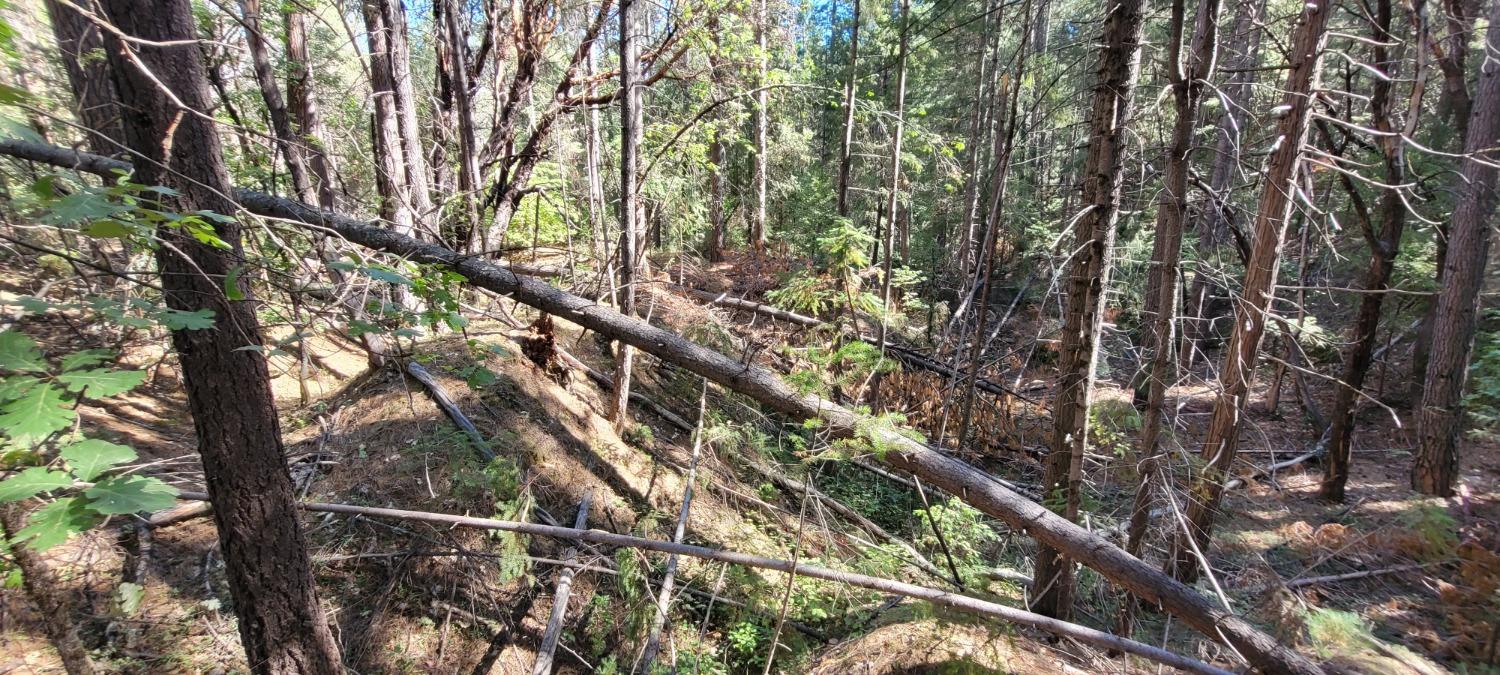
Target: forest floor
[[408, 597]]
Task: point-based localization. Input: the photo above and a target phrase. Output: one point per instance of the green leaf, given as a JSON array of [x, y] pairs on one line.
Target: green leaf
[[85, 358], [103, 382], [120, 495], [175, 319], [30, 304], [54, 523], [232, 283], [387, 276], [91, 457], [16, 386], [128, 598], [19, 352], [36, 413], [32, 482], [84, 206], [107, 228]]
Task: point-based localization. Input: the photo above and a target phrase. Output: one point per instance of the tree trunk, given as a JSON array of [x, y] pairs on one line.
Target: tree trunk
[[79, 42], [630, 145], [1456, 317], [1385, 243], [1259, 289], [762, 126], [846, 148], [281, 624], [718, 231], [1088, 275], [1188, 80], [270, 93], [979, 125], [1213, 223], [390, 154], [1457, 104], [425, 216], [458, 74], [893, 196], [951, 475], [306, 122]]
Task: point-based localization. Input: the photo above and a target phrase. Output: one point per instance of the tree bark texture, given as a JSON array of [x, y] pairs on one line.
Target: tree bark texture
[[1088, 275], [281, 623]]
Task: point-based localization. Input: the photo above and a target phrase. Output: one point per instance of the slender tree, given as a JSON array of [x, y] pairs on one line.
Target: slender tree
[[1259, 289], [159, 75], [631, 134], [761, 123], [1088, 275], [307, 122], [270, 93], [1383, 237], [1440, 417], [846, 146], [893, 196], [1188, 74]]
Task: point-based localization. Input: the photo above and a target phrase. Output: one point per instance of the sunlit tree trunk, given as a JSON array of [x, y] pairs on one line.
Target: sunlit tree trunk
[[1440, 418], [307, 124], [1384, 242], [630, 144], [1088, 275], [846, 148], [893, 196], [281, 624], [762, 125], [1259, 288], [1189, 78], [270, 93]]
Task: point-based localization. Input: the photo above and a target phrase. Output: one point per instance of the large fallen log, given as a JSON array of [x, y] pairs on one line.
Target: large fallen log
[[907, 356], [898, 448], [955, 601]]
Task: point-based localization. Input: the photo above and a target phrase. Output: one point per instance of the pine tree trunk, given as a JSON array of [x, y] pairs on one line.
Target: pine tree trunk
[[630, 144], [762, 126], [1456, 317], [846, 148], [1457, 104], [43, 591], [1088, 275], [718, 231], [1259, 288], [1385, 243], [281, 623], [390, 154], [458, 74], [270, 93], [415, 161], [893, 196], [1213, 223], [78, 40], [306, 122], [1188, 81]]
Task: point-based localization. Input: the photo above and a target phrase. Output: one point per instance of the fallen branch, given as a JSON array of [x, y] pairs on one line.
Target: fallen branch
[[443, 400], [1335, 578], [970, 484], [955, 601], [553, 632]]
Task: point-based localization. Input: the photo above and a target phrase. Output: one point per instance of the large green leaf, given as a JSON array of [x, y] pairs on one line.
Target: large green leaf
[[175, 319], [84, 359], [32, 482], [103, 382], [130, 494], [36, 413], [91, 457], [54, 523], [19, 352], [16, 386]]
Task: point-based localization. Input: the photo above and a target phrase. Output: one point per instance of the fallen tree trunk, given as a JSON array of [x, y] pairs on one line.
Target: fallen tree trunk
[[962, 603], [900, 450], [444, 400], [910, 357]]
